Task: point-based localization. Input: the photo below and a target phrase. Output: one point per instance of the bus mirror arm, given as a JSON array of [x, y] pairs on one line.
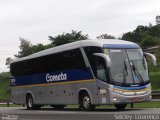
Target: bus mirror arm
[[153, 58], [105, 57]]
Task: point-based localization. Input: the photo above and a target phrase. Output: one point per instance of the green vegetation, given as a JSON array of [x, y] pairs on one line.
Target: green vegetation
[[135, 105], [145, 36], [67, 38], [5, 86], [155, 80], [147, 105], [26, 48], [10, 105]]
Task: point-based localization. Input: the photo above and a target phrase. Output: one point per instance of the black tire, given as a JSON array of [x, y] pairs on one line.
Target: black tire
[[85, 102], [58, 107], [30, 103], [120, 106]]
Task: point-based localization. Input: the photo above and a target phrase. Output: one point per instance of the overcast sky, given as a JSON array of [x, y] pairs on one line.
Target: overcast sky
[[35, 20]]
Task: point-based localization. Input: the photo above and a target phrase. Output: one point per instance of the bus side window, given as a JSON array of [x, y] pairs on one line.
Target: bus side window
[[100, 69], [89, 52]]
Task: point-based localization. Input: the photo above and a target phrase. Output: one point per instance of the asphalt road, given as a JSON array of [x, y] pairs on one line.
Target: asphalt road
[[76, 114]]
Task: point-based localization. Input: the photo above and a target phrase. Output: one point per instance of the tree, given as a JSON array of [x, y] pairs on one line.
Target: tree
[[158, 20], [8, 61], [105, 36], [145, 36], [26, 48], [67, 38], [39, 47], [150, 25]]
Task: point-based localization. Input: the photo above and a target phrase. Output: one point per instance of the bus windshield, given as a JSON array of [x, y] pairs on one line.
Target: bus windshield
[[128, 67]]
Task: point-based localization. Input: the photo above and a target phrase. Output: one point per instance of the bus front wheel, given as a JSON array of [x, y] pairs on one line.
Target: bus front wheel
[[85, 102], [120, 106]]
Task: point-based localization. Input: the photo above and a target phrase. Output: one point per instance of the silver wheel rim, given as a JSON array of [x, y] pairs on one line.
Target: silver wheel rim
[[86, 101], [30, 102]]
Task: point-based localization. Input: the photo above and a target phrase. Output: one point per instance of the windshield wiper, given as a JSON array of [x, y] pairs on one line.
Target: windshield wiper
[[125, 72], [136, 72]]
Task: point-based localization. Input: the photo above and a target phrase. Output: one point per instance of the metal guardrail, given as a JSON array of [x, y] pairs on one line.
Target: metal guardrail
[[5, 101], [156, 95]]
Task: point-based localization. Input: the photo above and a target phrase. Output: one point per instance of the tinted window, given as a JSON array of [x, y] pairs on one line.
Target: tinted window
[[89, 52], [100, 69], [72, 59]]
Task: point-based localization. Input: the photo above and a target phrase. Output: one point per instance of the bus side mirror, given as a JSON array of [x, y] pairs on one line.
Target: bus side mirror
[[152, 57], [105, 57]]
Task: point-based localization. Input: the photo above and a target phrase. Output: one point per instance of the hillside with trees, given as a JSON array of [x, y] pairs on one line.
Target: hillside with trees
[[145, 36]]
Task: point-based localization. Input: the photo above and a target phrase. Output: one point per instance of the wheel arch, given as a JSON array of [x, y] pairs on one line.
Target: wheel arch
[[82, 91], [29, 93]]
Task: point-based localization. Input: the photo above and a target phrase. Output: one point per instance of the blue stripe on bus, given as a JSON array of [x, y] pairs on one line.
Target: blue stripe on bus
[[72, 75], [120, 46], [130, 88]]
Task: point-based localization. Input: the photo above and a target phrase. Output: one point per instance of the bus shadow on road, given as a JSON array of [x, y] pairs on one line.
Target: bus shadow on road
[[81, 110]]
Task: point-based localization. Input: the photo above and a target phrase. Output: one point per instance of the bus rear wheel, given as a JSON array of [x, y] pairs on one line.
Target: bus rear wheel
[[120, 106], [85, 102], [30, 103]]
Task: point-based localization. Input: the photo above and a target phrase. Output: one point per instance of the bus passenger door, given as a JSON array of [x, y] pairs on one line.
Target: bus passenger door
[[102, 80]]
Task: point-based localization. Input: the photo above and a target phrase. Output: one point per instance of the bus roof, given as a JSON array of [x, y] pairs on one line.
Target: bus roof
[[105, 43]]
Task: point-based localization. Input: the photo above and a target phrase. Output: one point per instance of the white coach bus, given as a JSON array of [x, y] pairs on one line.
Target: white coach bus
[[87, 72]]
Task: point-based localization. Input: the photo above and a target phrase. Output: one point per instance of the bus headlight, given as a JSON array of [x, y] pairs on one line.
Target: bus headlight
[[115, 99]]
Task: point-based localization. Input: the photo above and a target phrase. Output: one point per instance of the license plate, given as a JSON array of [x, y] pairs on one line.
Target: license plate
[[136, 99]]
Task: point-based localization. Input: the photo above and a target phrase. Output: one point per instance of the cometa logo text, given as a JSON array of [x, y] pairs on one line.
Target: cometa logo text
[[59, 77]]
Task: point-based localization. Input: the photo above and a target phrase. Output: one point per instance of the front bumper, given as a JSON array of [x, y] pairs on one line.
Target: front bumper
[[129, 96]]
